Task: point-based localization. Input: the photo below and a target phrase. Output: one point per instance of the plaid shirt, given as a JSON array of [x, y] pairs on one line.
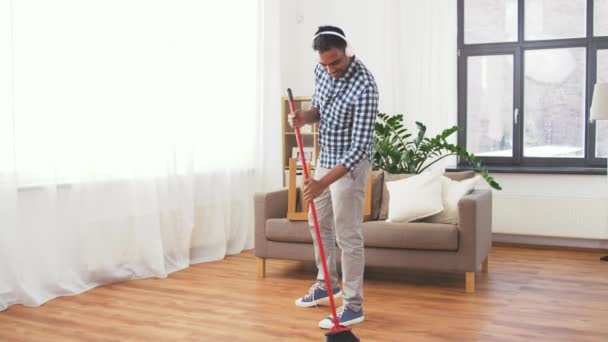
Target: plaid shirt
[[347, 108]]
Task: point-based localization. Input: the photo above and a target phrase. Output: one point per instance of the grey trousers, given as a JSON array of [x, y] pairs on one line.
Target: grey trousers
[[340, 215]]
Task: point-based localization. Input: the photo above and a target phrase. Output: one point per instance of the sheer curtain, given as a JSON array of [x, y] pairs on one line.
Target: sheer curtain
[[128, 141], [421, 64], [268, 149]]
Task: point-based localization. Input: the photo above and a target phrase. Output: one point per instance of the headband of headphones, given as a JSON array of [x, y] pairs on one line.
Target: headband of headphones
[[349, 51], [331, 33]]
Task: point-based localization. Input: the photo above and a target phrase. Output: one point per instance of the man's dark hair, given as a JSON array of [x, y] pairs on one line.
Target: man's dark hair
[[326, 42]]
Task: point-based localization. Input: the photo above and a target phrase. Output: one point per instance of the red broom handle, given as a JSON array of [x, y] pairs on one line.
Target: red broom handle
[[313, 210]]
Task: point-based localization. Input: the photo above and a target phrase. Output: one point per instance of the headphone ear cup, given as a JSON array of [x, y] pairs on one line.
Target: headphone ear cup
[[348, 51]]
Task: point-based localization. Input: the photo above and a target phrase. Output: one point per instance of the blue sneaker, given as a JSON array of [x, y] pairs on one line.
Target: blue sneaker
[[346, 317], [317, 295]]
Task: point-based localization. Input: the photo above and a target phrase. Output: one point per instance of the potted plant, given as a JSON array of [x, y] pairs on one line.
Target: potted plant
[[397, 151]]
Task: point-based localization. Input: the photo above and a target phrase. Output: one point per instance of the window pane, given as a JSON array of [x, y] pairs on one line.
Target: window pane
[[490, 21], [600, 13], [555, 19], [554, 102], [601, 132], [490, 105]]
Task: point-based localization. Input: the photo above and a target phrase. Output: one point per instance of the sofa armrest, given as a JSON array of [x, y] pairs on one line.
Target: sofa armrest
[[266, 205], [475, 226]]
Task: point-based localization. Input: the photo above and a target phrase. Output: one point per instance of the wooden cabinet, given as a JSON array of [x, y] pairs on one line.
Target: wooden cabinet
[[309, 134]]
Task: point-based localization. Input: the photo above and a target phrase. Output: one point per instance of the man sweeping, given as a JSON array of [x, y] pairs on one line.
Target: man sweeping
[[345, 102]]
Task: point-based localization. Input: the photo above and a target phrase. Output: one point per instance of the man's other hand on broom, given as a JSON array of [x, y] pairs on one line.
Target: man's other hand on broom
[[313, 188]]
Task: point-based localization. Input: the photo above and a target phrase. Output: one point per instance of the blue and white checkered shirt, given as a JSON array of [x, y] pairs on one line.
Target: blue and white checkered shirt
[[347, 108]]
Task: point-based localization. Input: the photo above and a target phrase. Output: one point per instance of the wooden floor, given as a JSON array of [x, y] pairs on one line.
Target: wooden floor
[[529, 294]]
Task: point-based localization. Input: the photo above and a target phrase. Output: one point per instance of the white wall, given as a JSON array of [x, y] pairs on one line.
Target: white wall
[[551, 205], [572, 206]]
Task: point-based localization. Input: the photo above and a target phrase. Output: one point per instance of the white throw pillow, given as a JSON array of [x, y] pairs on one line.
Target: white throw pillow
[[415, 197], [452, 192]]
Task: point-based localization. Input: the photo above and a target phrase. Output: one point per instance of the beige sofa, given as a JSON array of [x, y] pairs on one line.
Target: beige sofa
[[462, 247]]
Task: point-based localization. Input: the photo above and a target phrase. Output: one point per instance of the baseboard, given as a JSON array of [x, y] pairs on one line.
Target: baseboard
[[552, 242]]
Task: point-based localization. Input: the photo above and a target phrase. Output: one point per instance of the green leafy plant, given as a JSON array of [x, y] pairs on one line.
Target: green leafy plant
[[398, 151]]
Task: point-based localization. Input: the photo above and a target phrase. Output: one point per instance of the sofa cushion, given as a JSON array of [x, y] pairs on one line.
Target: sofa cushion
[[459, 175], [282, 229], [389, 177], [452, 191], [411, 235], [415, 197]]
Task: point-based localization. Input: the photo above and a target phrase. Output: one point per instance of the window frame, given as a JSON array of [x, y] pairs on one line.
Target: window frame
[[589, 163], [601, 44]]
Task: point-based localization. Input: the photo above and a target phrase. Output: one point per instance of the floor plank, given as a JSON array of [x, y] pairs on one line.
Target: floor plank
[[528, 294]]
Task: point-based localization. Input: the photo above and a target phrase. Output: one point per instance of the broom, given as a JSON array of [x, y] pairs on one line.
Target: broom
[[338, 333]]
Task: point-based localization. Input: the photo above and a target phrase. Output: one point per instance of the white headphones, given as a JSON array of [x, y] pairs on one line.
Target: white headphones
[[330, 32], [348, 51]]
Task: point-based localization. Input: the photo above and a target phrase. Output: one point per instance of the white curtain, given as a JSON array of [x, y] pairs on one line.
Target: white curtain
[[129, 140], [268, 126], [420, 67]]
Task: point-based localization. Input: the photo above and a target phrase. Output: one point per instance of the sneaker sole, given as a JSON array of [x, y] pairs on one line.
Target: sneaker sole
[[327, 323], [316, 302]]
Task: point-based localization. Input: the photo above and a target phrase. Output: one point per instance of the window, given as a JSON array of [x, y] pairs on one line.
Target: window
[[526, 71]]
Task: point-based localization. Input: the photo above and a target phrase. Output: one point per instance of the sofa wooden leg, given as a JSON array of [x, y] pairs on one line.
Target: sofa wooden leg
[[261, 267], [484, 265], [470, 279]]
